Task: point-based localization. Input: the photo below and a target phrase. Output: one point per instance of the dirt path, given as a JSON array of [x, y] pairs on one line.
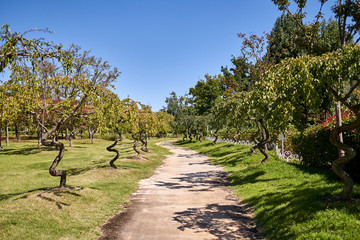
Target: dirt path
[[185, 199]]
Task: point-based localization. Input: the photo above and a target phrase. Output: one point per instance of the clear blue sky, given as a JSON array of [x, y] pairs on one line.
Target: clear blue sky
[[160, 46]]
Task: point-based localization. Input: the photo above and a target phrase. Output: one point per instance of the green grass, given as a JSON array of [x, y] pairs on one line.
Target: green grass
[[290, 201], [31, 209]]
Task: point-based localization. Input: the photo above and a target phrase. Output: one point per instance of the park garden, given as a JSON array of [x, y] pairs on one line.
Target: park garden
[[73, 151]]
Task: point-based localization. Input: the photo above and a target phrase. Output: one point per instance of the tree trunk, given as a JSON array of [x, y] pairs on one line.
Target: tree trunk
[[56, 138], [52, 169], [17, 132], [135, 149], [264, 135], [67, 134], [339, 124], [136, 143], [338, 165], [71, 136], [39, 136], [265, 138], [111, 149], [91, 134], [144, 143], [235, 137], [253, 137], [197, 135], [70, 141], [216, 136], [185, 135], [7, 135]]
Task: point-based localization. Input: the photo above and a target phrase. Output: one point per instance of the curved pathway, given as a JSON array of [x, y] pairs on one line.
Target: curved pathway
[[184, 199]]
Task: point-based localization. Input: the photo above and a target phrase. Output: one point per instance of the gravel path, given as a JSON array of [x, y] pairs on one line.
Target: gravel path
[[185, 199]]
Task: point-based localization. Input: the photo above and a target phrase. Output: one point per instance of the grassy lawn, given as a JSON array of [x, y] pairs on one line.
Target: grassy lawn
[[290, 201], [31, 209]]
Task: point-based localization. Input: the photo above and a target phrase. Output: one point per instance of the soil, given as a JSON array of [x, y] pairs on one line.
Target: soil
[[186, 198]]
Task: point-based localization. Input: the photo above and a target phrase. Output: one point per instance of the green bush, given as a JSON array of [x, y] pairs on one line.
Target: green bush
[[314, 146]]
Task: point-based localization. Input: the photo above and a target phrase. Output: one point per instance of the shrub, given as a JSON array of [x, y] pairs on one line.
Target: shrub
[[314, 146]]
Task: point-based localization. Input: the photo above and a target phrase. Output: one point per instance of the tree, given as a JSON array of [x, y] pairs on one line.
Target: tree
[[346, 10], [15, 48], [237, 77], [286, 39], [174, 104], [110, 115], [164, 123], [305, 77], [283, 42], [205, 93]]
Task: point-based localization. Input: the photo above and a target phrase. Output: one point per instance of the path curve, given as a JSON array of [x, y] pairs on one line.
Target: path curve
[[186, 198]]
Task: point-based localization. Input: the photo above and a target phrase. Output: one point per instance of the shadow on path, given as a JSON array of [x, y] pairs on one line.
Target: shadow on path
[[222, 221]]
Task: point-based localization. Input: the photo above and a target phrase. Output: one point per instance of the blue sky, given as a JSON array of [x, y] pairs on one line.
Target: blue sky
[[160, 46]]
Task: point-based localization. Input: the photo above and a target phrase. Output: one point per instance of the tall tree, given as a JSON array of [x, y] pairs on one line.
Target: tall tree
[[205, 93]]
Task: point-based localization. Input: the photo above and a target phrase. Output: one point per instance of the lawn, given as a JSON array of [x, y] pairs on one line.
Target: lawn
[[290, 201], [30, 207]]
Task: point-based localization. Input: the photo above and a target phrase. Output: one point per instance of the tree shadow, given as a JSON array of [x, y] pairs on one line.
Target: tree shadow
[[230, 159], [221, 221], [302, 202], [326, 173], [119, 164], [193, 155], [206, 162], [199, 181], [10, 195], [24, 151], [59, 204], [23, 195], [76, 146], [291, 201]]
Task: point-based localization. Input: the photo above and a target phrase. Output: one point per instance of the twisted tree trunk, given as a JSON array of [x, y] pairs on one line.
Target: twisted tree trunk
[[7, 135], [17, 132], [111, 149], [338, 165], [91, 134], [216, 136], [45, 142], [265, 139], [185, 135], [200, 136], [253, 137], [136, 143], [266, 136], [71, 136], [52, 169], [144, 143]]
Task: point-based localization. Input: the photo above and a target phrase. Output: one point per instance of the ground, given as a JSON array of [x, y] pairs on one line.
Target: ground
[[185, 199]]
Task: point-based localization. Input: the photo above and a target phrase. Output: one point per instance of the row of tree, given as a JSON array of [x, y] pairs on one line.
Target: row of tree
[[283, 80], [53, 89]]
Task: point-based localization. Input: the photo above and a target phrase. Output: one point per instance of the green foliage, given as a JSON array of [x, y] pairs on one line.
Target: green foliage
[[314, 147], [205, 93], [174, 104], [238, 77], [282, 39], [316, 150]]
